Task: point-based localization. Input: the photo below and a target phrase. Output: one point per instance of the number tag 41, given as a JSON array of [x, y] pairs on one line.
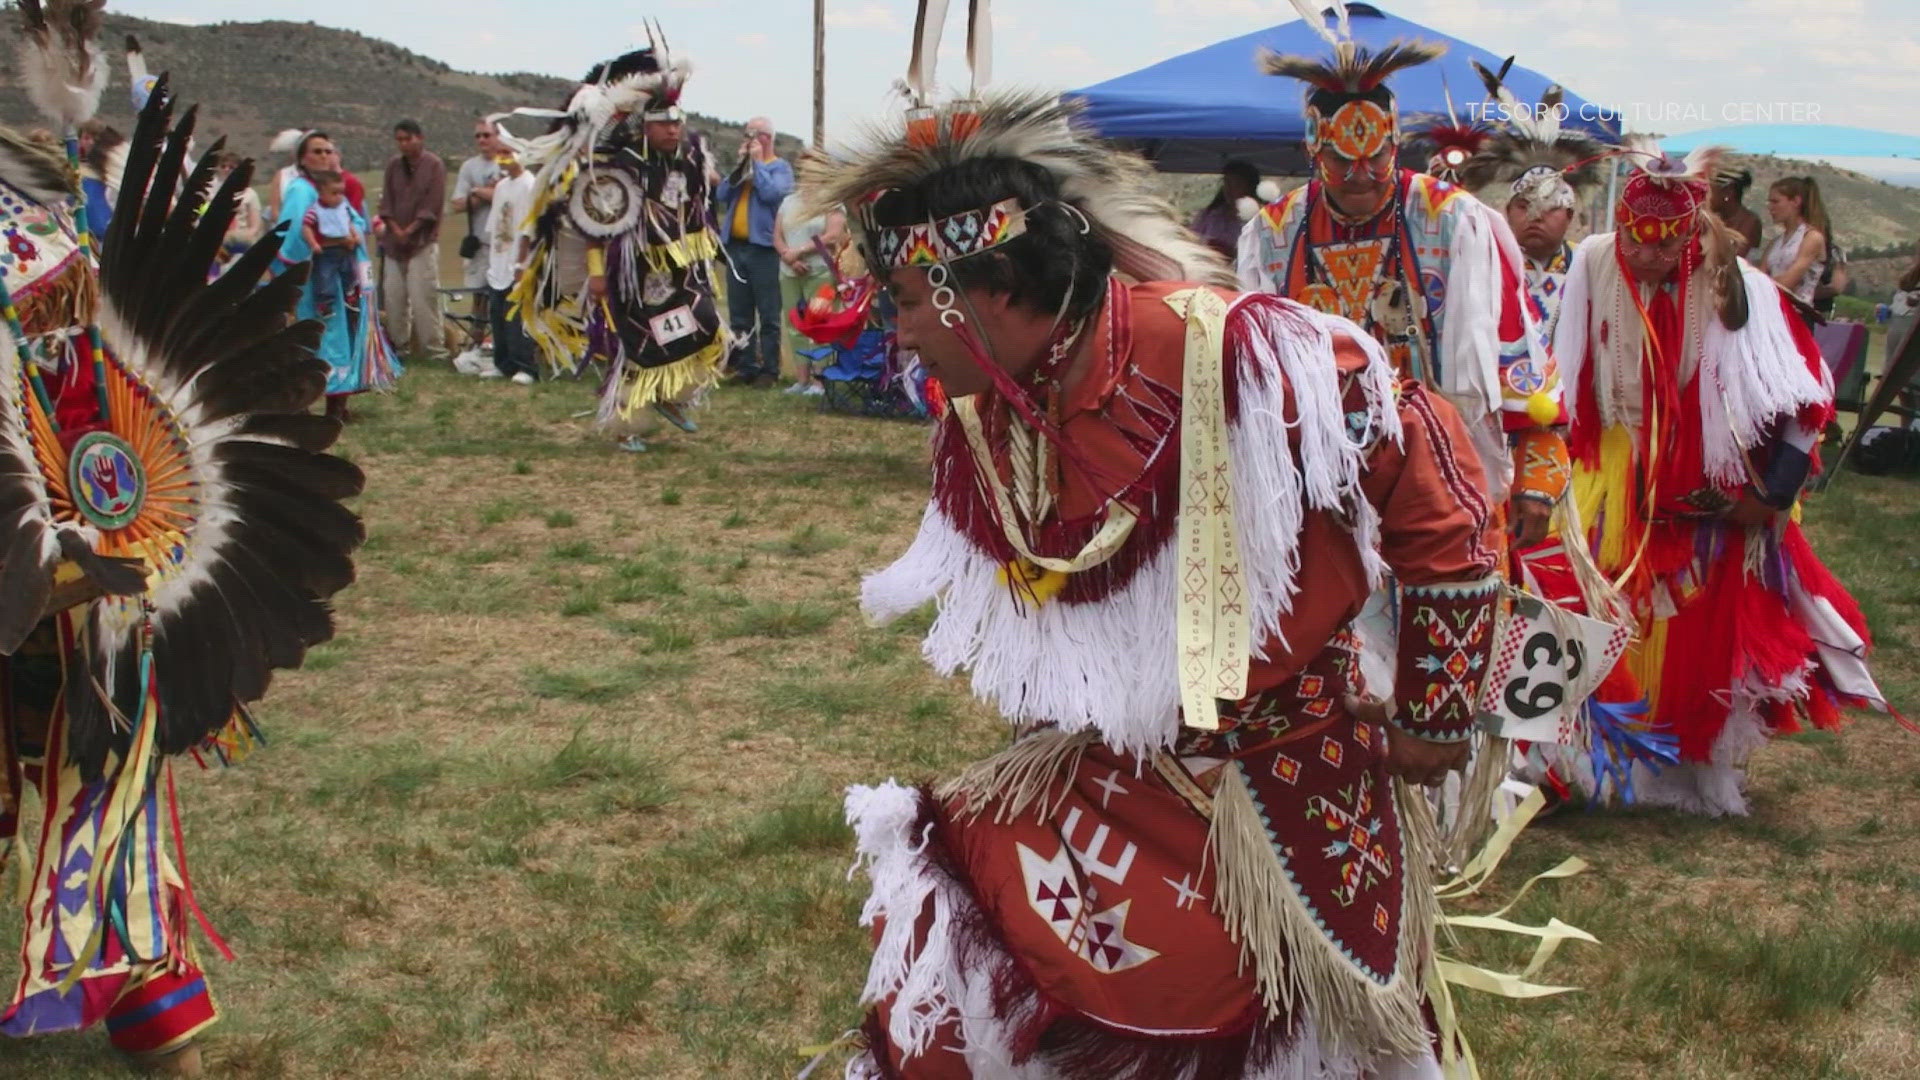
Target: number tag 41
[[671, 326], [1547, 661]]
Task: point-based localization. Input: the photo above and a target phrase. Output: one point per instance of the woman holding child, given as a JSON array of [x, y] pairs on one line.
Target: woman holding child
[[324, 229]]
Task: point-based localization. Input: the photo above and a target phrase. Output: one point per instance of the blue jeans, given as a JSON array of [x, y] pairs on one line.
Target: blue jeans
[[512, 348], [753, 293], [336, 281]]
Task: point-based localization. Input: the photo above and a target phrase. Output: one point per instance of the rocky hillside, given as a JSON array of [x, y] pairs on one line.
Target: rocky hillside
[[251, 79], [1867, 213]]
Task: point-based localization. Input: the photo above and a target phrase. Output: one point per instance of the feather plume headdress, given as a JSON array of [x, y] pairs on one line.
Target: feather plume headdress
[[140, 81], [1347, 96], [1448, 142], [647, 82], [1530, 155], [1112, 191], [60, 62]]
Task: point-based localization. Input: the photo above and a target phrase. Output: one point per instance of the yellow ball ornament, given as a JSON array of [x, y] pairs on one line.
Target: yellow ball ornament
[[1542, 409]]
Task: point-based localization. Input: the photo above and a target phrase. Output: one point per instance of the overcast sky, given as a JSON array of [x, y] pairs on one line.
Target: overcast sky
[[1858, 60]]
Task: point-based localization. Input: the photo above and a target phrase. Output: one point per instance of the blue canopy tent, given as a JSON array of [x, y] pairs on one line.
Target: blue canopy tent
[[1805, 141], [1195, 112]]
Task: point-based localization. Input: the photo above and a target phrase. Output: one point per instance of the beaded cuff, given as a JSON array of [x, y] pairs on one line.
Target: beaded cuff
[[1446, 641]]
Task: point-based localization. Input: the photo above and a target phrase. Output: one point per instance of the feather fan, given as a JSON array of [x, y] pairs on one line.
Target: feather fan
[[1114, 190], [60, 61], [256, 539]]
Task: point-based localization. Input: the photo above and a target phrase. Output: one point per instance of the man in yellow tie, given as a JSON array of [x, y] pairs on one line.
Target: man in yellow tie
[[748, 198]]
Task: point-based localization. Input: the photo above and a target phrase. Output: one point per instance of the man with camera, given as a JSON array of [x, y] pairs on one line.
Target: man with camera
[[747, 199]]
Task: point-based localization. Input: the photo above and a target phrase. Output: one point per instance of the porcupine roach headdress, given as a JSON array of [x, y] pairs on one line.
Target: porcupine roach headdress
[[1350, 108], [1530, 156], [193, 490], [1111, 190]]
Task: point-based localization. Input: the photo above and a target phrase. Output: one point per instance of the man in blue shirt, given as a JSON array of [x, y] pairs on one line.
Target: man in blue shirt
[[748, 198]]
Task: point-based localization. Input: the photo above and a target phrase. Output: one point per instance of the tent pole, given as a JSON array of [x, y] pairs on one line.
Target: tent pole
[[819, 74]]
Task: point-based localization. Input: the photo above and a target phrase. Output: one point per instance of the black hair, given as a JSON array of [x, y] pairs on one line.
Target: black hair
[[1739, 180], [409, 126], [300, 150], [320, 178], [1238, 169], [1059, 260], [106, 139]]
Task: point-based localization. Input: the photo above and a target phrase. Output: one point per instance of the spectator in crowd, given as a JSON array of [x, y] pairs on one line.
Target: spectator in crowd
[[286, 142], [1220, 221], [103, 156], [1729, 205], [749, 199], [804, 245], [508, 245], [409, 232], [1797, 258], [1905, 307], [473, 198], [248, 220], [357, 354]]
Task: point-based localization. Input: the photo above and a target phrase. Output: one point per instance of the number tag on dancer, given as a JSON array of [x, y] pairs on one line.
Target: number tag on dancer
[[1545, 664], [671, 326]]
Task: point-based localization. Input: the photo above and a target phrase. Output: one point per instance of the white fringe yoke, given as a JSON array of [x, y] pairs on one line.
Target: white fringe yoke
[[1749, 377], [1109, 666]]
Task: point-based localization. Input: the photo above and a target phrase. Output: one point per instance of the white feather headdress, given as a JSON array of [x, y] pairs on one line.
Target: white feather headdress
[[60, 60], [1114, 191], [637, 82]]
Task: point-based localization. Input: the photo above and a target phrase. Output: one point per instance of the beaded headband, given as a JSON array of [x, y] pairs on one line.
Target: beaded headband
[[1358, 130], [969, 232]]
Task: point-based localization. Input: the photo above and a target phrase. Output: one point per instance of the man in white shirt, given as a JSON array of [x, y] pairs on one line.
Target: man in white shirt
[[508, 242], [473, 196]]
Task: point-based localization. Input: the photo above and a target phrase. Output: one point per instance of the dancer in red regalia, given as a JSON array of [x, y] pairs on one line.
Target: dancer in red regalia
[[1698, 399]]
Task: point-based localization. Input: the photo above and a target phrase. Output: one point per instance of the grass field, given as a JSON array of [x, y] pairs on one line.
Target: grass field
[[562, 798]]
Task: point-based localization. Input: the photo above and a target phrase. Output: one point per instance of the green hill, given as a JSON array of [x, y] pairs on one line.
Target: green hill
[[252, 79]]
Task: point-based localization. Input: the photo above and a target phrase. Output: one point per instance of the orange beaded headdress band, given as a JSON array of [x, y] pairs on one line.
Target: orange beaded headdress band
[[1350, 110]]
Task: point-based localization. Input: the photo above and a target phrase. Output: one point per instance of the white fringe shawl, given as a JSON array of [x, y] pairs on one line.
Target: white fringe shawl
[[933, 984], [1749, 377], [1110, 666]]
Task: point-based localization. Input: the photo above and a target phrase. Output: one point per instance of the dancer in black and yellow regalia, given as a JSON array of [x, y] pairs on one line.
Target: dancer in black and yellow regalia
[[622, 266]]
